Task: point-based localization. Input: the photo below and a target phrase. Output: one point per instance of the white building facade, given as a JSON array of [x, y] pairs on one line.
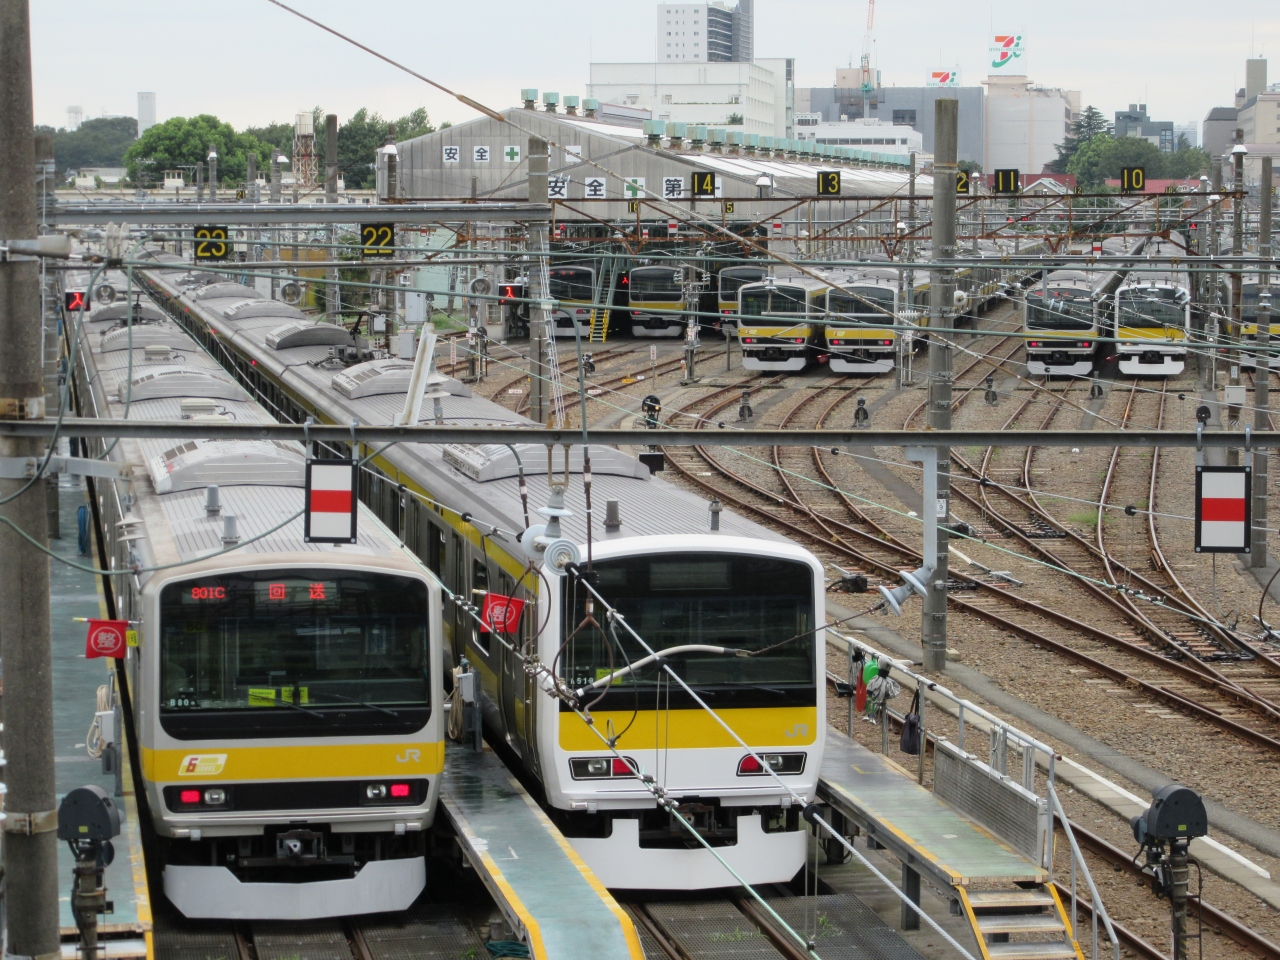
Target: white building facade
[[741, 96], [881, 136], [146, 112], [704, 33], [1025, 123]]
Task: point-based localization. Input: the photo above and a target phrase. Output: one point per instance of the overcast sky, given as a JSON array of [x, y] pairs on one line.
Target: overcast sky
[[250, 62]]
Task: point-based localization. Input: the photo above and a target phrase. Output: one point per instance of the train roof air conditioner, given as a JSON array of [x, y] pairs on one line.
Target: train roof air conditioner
[[307, 333], [377, 377], [180, 381], [196, 464]]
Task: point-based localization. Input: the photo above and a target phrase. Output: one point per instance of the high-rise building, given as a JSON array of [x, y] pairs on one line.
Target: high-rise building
[[75, 117], [1189, 130], [705, 33], [1025, 123], [1134, 122], [146, 112]]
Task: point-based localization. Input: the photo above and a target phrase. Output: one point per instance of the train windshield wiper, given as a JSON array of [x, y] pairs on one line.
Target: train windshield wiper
[[360, 703], [297, 706], [670, 651]]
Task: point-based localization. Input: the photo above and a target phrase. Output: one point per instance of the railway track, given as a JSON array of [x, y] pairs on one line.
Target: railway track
[[854, 539]]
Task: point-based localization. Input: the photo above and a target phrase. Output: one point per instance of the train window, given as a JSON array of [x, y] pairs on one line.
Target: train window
[[434, 538], [655, 284], [761, 605], [572, 283], [287, 653], [732, 279], [479, 587], [762, 302], [865, 304]]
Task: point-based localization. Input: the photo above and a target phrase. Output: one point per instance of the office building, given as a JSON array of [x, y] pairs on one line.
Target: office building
[[1135, 123], [881, 136], [751, 97], [705, 33], [75, 117], [146, 112], [909, 106], [1025, 123]]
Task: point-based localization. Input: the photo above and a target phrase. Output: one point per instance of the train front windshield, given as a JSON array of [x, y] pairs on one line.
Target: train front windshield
[[785, 303], [1059, 310], [661, 286], [761, 605], [1153, 308], [732, 280], [294, 653], [572, 283], [862, 305]]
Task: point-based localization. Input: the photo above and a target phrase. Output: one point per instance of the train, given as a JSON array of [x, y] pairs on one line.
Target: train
[[573, 288], [656, 300], [1246, 332], [287, 696], [1061, 325], [736, 610], [1151, 317]]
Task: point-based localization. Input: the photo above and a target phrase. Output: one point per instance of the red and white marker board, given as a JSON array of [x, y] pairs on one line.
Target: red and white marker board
[[107, 638], [331, 502], [1224, 509]]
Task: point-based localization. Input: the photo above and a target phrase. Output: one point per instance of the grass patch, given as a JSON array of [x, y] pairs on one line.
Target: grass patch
[[1087, 518]]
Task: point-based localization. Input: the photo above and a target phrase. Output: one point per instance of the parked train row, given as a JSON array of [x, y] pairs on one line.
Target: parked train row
[[289, 696]]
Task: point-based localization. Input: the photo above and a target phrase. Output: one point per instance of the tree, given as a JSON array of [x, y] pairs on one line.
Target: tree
[[1186, 161], [1104, 156], [100, 142], [361, 136], [1090, 124], [186, 141], [278, 136]]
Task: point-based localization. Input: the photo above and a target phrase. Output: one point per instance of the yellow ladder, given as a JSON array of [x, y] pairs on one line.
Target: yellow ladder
[[1036, 915]]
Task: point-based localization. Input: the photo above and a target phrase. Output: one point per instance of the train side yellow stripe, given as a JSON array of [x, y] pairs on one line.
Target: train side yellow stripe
[[318, 761], [694, 729]]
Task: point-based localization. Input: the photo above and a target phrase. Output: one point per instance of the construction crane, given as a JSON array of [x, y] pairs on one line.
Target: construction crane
[[867, 85]]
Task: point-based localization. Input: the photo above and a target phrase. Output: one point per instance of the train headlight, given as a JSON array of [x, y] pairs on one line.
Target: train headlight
[[215, 797], [376, 791]]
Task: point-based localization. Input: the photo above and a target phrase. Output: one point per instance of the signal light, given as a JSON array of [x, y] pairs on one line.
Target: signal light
[[400, 790], [189, 796], [75, 300]]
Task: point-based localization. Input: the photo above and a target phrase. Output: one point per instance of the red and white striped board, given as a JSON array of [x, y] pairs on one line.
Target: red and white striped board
[[1224, 509], [331, 509]]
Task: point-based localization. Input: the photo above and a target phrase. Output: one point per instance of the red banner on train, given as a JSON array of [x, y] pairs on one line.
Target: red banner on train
[[107, 638], [500, 614]]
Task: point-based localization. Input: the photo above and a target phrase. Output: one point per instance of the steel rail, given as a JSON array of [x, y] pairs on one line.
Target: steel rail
[[890, 571]]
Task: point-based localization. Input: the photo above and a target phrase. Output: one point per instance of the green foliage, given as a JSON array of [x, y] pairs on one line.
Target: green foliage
[[1090, 125], [361, 136], [186, 141], [1104, 156], [735, 120], [276, 135], [100, 142], [970, 166]]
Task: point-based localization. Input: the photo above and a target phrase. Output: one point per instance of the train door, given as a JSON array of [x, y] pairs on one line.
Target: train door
[[511, 677], [457, 583]]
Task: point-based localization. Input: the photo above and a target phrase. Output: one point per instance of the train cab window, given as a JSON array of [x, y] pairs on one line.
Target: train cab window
[[279, 653]]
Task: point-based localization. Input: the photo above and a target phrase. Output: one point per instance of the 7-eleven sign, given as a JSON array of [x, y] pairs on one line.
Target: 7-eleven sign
[[634, 188], [331, 505]]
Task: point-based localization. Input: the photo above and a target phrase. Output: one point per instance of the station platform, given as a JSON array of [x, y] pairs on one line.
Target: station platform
[[913, 823], [544, 889], [999, 889], [126, 931]]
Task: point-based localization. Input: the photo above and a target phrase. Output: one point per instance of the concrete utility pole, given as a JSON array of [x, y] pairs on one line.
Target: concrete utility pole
[[1262, 372], [332, 293], [251, 177], [538, 330], [1215, 218], [941, 316], [1237, 251], [31, 816]]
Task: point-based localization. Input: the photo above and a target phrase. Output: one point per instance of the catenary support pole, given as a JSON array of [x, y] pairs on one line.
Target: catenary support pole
[[538, 319], [1262, 370], [30, 842], [941, 316]]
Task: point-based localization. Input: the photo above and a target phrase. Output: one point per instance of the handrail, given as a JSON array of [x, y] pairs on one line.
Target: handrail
[[1077, 858]]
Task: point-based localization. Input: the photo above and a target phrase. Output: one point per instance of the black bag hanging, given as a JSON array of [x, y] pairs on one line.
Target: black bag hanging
[[910, 740]]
